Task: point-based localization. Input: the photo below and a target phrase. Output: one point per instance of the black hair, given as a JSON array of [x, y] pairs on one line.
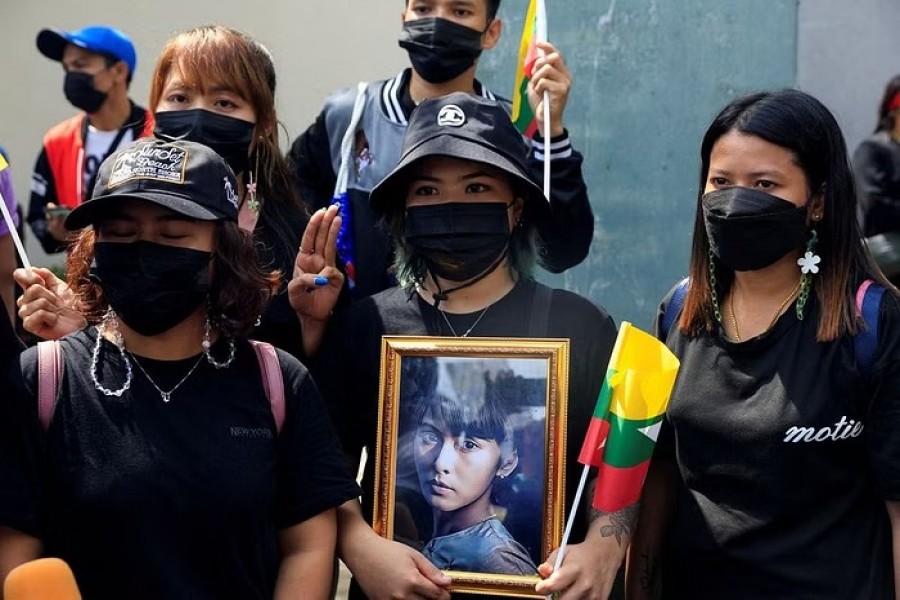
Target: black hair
[[802, 125], [485, 418], [111, 60]]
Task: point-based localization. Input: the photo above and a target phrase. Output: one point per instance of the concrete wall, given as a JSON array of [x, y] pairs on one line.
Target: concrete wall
[[847, 50], [318, 47]]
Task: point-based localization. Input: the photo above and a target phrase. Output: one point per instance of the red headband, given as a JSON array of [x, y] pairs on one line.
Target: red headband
[[895, 102]]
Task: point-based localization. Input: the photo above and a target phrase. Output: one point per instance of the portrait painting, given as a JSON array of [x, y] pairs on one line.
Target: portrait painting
[[470, 455]]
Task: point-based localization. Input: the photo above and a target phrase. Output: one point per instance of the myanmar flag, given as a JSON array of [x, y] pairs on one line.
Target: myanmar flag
[[628, 416], [522, 115]]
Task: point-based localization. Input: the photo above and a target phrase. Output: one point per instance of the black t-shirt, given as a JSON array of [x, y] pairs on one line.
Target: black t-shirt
[[347, 369], [146, 499], [787, 455]]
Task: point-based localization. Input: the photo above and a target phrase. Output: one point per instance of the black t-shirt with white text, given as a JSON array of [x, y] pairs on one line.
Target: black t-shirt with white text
[[787, 454], [185, 499]]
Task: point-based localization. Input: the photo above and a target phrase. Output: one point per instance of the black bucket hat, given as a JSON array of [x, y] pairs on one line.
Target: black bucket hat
[[467, 127], [185, 177]]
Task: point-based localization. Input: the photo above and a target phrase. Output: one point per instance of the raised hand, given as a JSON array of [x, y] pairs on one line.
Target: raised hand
[[316, 282], [46, 304]]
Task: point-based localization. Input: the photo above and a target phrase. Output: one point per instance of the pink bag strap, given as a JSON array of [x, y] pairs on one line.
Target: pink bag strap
[[861, 295], [50, 369], [273, 380]]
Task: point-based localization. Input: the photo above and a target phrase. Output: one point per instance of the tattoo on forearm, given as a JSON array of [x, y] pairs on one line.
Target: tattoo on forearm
[[621, 522], [649, 571]]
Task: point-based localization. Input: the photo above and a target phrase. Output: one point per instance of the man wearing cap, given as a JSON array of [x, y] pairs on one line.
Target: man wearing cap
[[99, 63], [444, 39]]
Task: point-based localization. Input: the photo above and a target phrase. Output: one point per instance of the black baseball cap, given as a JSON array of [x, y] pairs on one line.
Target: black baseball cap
[[185, 177], [467, 127]]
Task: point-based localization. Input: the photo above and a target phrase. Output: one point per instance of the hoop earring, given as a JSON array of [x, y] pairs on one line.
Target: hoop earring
[[809, 266], [110, 322], [207, 345], [713, 283]]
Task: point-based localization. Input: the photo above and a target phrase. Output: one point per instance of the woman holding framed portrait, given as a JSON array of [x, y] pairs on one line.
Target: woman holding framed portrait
[[463, 210]]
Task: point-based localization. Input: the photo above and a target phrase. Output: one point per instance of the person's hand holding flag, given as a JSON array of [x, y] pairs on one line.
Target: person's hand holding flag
[[620, 441]]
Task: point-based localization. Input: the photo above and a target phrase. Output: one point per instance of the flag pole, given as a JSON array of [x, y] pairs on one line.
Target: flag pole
[[542, 36], [12, 231], [572, 513]]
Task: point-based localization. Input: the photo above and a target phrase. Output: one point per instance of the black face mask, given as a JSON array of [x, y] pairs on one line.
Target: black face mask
[[229, 137], [458, 240], [439, 49], [150, 286], [749, 229], [80, 92]]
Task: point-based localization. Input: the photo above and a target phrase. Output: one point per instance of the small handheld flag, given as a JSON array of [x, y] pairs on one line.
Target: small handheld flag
[[346, 244], [522, 115], [628, 416], [10, 224], [626, 422], [535, 30]]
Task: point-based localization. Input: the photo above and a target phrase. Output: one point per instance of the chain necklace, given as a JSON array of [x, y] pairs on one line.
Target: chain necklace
[[784, 303], [469, 330], [166, 396]]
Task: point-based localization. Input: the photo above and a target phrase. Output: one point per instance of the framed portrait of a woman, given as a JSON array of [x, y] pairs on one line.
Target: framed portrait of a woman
[[471, 445]]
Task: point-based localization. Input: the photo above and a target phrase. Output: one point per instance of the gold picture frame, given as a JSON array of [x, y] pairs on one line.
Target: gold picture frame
[[465, 423]]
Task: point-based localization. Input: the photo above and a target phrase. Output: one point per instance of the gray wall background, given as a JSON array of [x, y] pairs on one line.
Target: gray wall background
[[649, 76]]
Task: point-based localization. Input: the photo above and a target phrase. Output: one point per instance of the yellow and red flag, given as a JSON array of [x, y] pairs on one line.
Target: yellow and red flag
[[628, 416], [522, 115]]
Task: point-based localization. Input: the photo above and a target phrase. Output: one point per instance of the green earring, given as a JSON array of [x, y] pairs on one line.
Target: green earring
[[712, 287], [809, 266]]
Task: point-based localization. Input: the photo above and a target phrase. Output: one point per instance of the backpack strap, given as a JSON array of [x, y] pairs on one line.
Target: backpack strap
[[540, 312], [673, 308], [50, 369], [273, 380], [865, 342]]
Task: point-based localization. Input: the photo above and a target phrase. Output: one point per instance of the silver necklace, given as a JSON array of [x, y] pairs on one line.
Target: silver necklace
[[110, 322], [469, 330], [166, 396]]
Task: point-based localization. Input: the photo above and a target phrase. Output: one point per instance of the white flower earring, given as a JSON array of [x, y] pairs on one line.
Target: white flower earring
[[809, 266]]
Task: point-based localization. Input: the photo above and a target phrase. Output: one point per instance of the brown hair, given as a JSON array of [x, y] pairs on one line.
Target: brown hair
[[211, 56], [797, 122], [240, 288]]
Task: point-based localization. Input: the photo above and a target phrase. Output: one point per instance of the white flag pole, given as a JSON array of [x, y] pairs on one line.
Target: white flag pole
[[572, 513], [15, 234], [542, 36]]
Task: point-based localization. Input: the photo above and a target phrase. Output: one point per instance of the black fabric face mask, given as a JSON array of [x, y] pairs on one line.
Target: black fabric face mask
[[749, 229], [80, 92], [151, 287], [458, 240], [439, 49], [228, 136]]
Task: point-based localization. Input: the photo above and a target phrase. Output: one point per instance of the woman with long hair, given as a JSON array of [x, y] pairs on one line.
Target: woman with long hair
[[166, 466], [776, 473]]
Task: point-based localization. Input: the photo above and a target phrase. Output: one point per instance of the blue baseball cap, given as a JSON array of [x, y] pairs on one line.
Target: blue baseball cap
[[96, 38]]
